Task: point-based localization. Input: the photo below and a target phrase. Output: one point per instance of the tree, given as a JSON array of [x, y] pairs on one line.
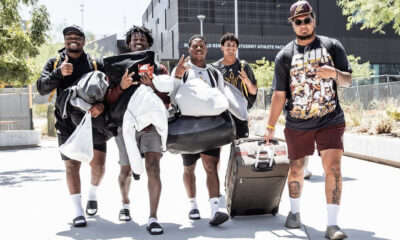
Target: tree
[[264, 72], [359, 69], [20, 40], [371, 14]]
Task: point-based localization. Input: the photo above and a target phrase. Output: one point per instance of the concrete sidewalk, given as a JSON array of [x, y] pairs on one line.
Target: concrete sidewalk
[[35, 203]]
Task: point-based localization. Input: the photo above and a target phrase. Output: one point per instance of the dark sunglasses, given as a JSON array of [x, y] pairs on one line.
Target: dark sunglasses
[[299, 22]]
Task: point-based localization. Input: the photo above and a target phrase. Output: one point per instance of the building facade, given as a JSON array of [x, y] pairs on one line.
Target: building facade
[[263, 30]]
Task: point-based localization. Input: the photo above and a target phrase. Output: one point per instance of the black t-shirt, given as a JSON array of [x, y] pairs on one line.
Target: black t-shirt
[[311, 103], [231, 75]]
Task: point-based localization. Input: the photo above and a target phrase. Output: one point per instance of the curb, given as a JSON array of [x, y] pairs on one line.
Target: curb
[[381, 150]]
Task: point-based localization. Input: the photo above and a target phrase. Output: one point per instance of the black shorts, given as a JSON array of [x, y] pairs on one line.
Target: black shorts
[[99, 141], [189, 159]]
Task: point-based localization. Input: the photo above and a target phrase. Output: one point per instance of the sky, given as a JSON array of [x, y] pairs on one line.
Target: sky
[[101, 17]]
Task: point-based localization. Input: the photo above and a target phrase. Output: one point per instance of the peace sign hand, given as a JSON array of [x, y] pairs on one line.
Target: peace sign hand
[[182, 66]]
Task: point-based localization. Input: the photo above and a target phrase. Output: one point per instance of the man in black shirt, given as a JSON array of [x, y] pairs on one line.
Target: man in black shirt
[[239, 74], [61, 73], [307, 73]]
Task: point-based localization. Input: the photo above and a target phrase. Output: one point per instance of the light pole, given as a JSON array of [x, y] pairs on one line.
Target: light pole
[[236, 26], [201, 18]]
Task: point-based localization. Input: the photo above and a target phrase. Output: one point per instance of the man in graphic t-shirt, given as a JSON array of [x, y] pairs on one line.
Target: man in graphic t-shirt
[[239, 74], [307, 73]]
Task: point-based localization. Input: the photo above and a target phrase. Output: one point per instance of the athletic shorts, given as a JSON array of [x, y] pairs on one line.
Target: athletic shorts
[[147, 141], [189, 159], [302, 143]]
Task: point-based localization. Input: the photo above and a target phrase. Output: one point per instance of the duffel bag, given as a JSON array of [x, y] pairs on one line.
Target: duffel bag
[[188, 135]]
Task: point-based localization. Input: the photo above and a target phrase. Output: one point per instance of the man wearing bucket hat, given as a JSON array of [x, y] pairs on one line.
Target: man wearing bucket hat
[[307, 73], [60, 73]]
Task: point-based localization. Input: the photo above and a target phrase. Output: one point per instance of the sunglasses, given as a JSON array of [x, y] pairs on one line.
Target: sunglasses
[[299, 22]]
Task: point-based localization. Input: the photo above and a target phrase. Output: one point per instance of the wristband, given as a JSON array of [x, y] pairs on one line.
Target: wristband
[[270, 127]]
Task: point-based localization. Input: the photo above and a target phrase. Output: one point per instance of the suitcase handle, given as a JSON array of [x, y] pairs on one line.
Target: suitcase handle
[[263, 166], [255, 139]]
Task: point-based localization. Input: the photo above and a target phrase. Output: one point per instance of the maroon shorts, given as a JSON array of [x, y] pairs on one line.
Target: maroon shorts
[[301, 143]]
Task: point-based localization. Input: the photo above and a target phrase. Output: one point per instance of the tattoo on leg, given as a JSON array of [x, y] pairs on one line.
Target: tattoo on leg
[[300, 163], [294, 189], [336, 191]]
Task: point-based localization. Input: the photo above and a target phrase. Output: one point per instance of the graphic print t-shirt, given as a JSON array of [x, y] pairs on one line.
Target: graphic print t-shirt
[[312, 103], [231, 75]]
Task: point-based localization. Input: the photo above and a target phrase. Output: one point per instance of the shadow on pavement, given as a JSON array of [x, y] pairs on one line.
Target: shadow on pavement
[[351, 234], [238, 228], [16, 178]]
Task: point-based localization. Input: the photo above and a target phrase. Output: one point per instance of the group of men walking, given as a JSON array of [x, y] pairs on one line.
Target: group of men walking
[[307, 73]]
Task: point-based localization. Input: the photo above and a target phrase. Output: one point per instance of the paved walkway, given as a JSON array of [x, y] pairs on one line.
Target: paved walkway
[[34, 202]]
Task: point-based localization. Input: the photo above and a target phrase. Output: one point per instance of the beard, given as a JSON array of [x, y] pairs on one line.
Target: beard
[[75, 50], [306, 37]]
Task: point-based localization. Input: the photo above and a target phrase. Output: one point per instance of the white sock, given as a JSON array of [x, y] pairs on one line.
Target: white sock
[[193, 203], [92, 193], [151, 220], [77, 203], [214, 204], [333, 211], [126, 206], [295, 205]]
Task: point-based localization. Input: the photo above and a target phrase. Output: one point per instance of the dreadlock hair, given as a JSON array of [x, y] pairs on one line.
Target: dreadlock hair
[[137, 29], [229, 37]]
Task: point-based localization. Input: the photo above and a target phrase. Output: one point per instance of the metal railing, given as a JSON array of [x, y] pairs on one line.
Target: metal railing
[[363, 90]]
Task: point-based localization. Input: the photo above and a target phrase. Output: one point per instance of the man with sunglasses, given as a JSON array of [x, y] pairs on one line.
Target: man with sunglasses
[[239, 74], [307, 73], [60, 73]]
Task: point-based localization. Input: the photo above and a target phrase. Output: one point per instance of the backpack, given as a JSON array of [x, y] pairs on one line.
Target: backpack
[[55, 65], [212, 74], [288, 51]]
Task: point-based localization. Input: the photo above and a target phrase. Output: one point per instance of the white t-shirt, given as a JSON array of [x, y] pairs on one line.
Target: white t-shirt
[[198, 72]]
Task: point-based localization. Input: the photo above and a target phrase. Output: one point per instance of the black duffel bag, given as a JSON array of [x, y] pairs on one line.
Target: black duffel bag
[[115, 66], [189, 135]]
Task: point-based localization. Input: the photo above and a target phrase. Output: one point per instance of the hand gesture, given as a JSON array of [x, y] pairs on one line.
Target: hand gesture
[[66, 68], [96, 109], [146, 80], [182, 66], [243, 76], [127, 80]]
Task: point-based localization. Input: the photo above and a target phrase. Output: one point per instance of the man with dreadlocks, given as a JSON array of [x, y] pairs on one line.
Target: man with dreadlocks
[[149, 141]]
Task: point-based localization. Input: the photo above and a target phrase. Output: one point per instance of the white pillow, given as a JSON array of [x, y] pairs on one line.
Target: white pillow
[[196, 98]]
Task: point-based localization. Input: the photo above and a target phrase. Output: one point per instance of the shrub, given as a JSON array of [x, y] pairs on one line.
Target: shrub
[[384, 124], [393, 113]]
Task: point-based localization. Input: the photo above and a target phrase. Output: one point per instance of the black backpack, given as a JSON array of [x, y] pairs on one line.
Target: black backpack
[[212, 74], [288, 50]]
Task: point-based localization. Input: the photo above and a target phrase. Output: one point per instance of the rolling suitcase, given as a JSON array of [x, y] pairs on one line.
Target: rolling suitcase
[[255, 177]]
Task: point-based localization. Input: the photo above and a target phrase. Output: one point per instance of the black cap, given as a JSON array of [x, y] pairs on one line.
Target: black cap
[[74, 28]]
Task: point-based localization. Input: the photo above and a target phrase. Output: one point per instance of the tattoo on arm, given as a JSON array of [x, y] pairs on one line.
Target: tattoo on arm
[[336, 191], [294, 189]]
